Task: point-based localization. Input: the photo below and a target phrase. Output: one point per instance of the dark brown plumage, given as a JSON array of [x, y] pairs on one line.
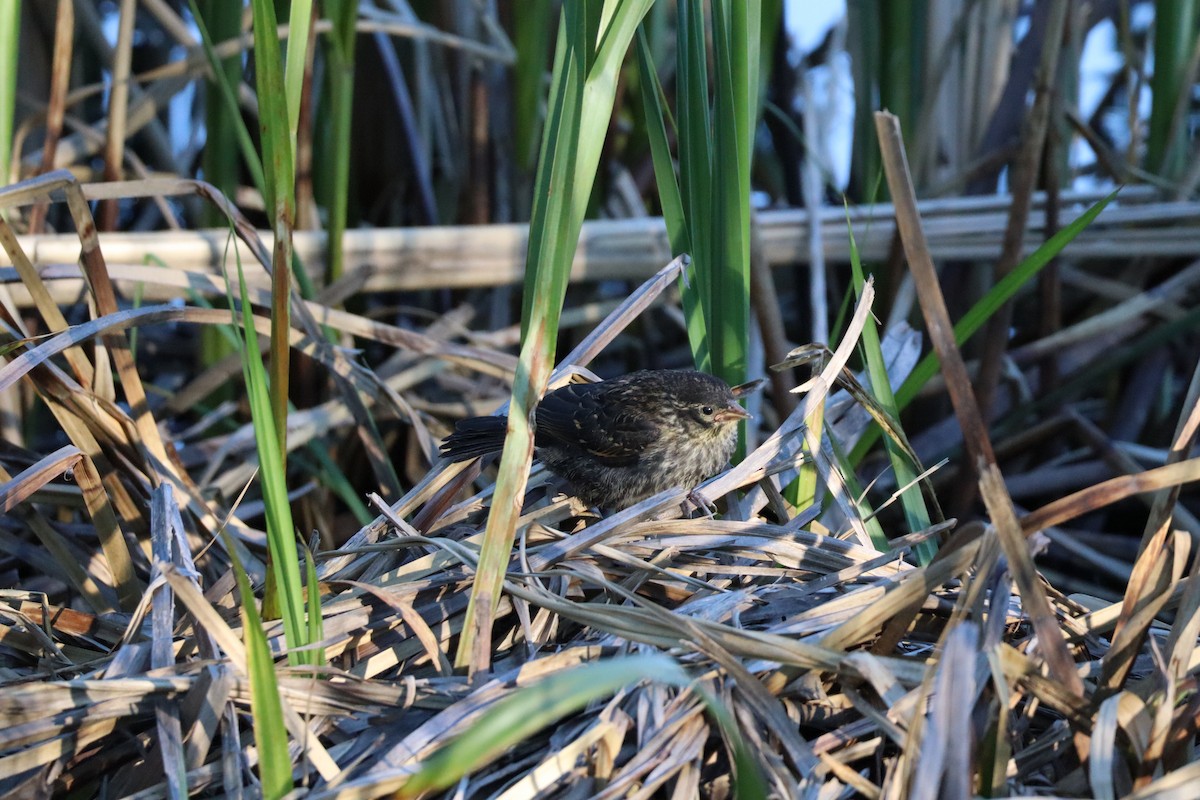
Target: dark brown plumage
[[619, 441]]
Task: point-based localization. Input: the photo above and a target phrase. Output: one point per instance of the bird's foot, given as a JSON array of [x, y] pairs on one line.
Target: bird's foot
[[698, 502]]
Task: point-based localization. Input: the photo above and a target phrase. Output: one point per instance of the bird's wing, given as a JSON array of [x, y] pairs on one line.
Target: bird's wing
[[592, 418]]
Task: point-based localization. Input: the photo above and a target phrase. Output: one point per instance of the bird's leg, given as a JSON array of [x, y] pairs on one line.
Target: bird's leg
[[700, 503]]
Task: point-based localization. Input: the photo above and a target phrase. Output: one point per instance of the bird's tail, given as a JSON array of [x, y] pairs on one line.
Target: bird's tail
[[474, 437]]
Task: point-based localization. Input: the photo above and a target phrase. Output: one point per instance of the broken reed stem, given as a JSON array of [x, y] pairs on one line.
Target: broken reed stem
[[978, 444], [1050, 642], [933, 305]]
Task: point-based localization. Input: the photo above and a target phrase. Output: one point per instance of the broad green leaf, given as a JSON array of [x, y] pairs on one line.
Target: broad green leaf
[[582, 94], [657, 116]]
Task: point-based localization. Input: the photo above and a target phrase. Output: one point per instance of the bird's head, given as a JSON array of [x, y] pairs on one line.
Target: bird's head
[[706, 404]]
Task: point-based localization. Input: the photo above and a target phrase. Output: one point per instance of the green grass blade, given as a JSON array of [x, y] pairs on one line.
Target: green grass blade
[[10, 32], [974, 319], [999, 294], [316, 622], [715, 150], [746, 45], [858, 496], [280, 529], [531, 37], [660, 149], [771, 22], [734, 112], [545, 286], [621, 19], [695, 173], [281, 543], [330, 475], [1175, 33], [225, 85], [528, 710], [749, 783], [916, 514], [280, 171], [266, 708], [583, 92], [299, 24], [670, 197], [887, 50], [802, 492], [340, 55], [562, 110]]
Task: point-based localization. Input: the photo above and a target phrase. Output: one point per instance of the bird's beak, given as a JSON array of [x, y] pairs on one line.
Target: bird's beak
[[731, 413]]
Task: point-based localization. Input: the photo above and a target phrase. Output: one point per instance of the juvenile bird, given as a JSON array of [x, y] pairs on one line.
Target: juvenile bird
[[619, 441]]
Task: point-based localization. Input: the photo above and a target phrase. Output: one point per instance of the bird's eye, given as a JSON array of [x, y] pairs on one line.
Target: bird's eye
[[707, 411]]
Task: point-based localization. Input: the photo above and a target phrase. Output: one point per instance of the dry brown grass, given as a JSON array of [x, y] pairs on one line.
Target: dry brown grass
[[848, 671]]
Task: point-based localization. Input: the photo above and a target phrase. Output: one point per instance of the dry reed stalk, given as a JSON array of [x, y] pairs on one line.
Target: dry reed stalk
[[492, 255]]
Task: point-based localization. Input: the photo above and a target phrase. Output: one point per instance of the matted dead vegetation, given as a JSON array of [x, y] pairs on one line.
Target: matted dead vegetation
[[844, 670]]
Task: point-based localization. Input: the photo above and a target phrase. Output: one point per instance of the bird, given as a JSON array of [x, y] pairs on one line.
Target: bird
[[618, 441]]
